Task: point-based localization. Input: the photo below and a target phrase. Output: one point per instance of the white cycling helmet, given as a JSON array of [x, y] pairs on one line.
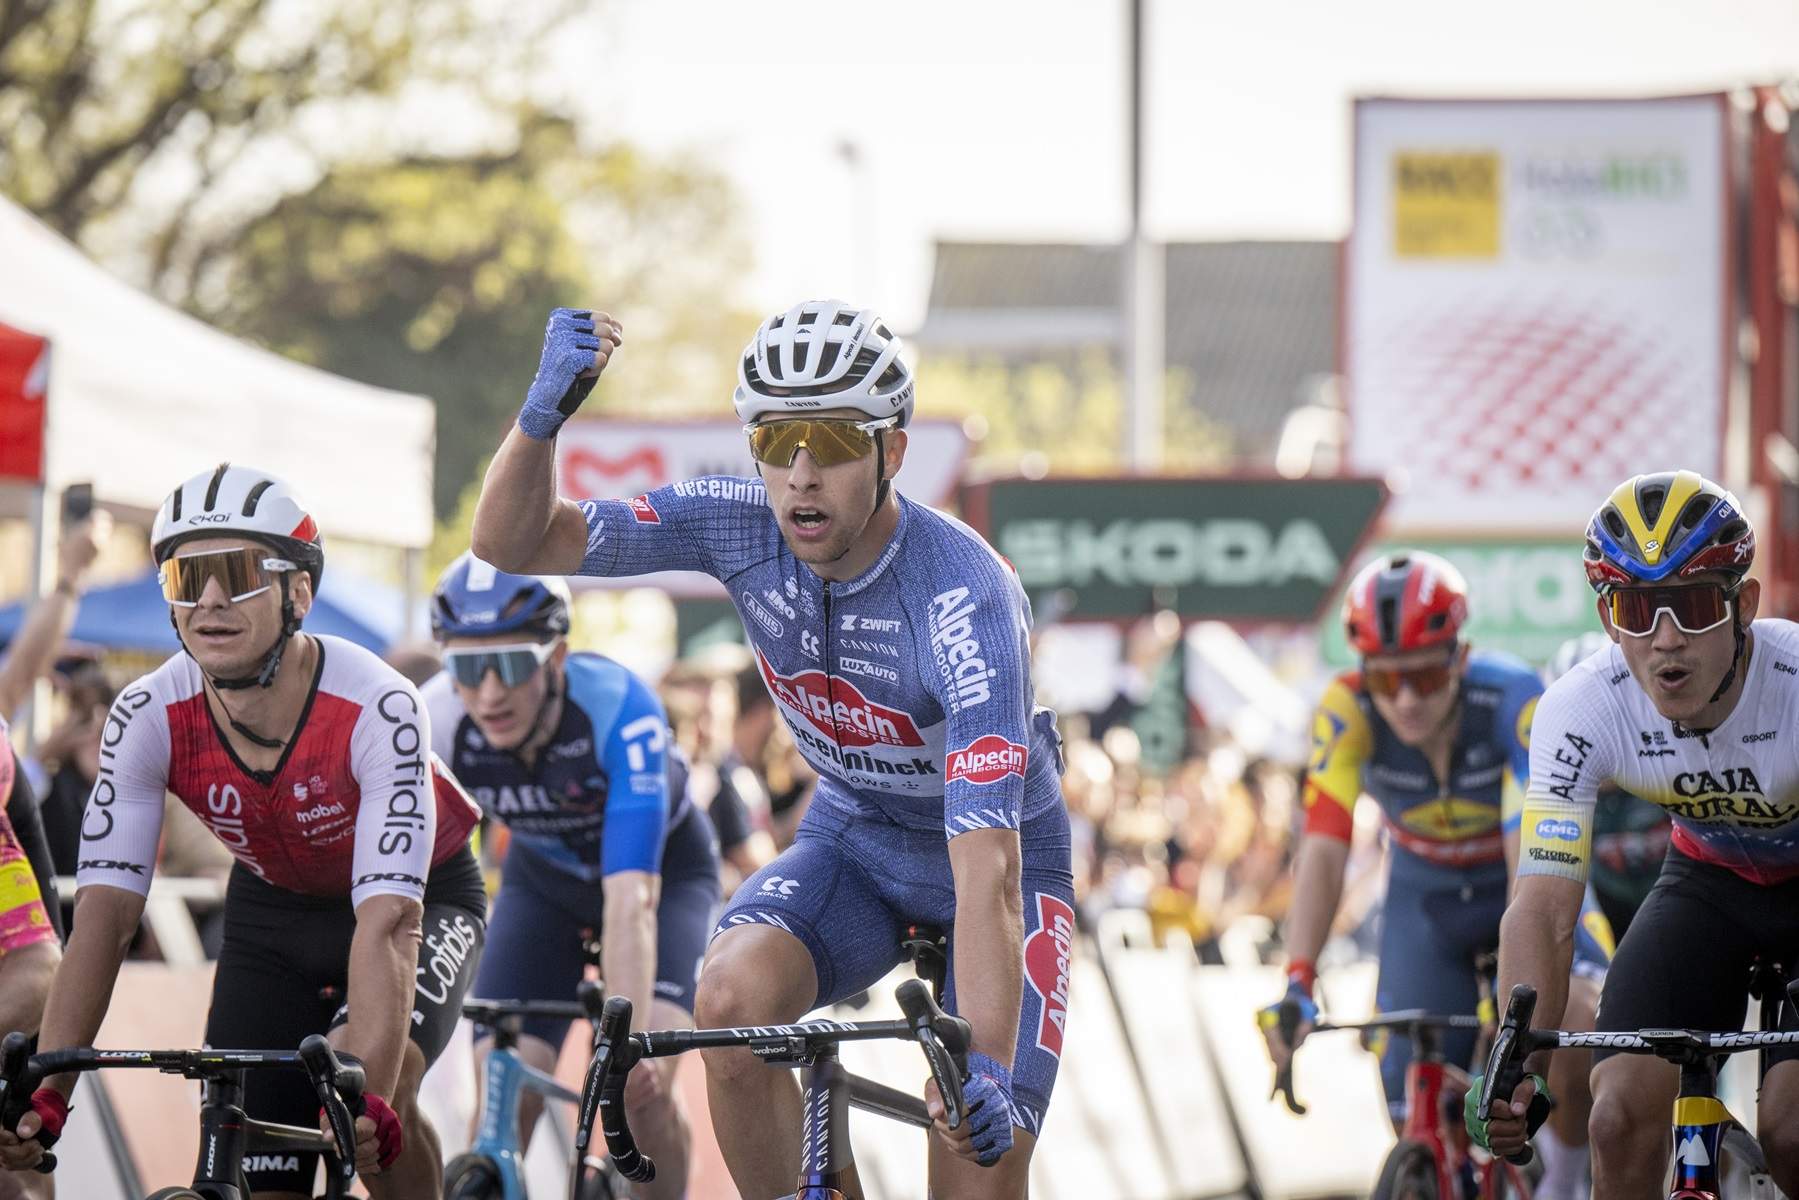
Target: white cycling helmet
[[1573, 652], [243, 501], [823, 354]]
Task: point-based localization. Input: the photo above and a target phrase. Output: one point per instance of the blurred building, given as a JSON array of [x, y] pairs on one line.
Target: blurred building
[[1251, 326]]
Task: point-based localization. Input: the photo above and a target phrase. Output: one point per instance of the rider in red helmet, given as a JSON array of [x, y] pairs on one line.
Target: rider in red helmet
[[1438, 734]]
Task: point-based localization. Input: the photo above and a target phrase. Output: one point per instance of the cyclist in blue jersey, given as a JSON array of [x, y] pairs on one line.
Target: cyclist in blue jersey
[[895, 644], [1438, 734], [572, 753]]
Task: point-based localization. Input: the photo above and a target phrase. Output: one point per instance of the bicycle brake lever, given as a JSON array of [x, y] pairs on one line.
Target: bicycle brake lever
[[1505, 1062]]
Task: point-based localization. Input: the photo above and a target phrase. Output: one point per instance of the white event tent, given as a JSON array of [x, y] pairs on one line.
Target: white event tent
[[141, 396]]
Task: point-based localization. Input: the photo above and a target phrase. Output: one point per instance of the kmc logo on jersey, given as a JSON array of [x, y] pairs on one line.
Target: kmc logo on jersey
[[1046, 955], [837, 708], [987, 759], [644, 511]]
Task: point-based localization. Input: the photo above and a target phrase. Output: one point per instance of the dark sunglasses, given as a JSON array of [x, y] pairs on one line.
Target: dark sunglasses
[[1694, 607], [832, 441], [514, 664], [1424, 680], [242, 573]]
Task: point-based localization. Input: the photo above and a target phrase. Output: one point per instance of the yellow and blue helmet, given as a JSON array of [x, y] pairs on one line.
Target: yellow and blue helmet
[[1667, 528]]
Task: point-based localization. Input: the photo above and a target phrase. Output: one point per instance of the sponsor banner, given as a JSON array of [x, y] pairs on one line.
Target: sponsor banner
[[604, 459], [1536, 303], [24, 383], [1526, 595], [1254, 549]]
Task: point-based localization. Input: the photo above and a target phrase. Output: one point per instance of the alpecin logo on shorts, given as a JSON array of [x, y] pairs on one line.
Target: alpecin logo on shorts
[[1046, 955]]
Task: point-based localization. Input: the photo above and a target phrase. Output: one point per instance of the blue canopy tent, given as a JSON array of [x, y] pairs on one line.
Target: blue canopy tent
[[133, 616]]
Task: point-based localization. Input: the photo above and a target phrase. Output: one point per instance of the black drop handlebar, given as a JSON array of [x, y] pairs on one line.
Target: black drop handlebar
[[336, 1079], [944, 1039], [1413, 1021]]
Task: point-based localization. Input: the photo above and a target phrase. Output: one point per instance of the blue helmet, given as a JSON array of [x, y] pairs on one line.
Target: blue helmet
[[474, 598]]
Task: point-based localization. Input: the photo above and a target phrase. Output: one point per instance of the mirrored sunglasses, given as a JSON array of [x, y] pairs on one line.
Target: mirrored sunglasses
[[1694, 608], [1423, 680], [242, 573], [832, 441], [514, 664]]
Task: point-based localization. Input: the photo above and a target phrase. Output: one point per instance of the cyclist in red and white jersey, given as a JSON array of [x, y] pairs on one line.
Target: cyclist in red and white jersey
[[355, 904]]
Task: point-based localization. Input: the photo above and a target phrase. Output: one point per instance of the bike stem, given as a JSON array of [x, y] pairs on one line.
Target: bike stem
[[825, 1132]]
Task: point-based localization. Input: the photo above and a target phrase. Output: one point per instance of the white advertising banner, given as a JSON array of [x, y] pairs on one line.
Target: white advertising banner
[[1536, 304], [613, 460]]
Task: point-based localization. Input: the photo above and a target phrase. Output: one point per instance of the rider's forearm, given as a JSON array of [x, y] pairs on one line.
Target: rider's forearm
[[29, 657], [105, 921], [517, 509], [1317, 891], [628, 952], [1536, 946], [989, 937], [384, 955]]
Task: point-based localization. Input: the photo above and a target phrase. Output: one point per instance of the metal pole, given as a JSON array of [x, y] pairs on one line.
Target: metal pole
[[1144, 291]]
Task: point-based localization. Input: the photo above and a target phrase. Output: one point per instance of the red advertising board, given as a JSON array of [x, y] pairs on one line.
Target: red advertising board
[[24, 376]]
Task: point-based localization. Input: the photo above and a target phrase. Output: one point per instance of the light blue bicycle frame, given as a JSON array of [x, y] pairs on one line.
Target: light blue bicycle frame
[[507, 1076]]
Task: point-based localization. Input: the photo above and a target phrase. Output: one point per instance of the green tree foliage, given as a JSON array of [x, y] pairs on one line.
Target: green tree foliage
[[434, 275], [165, 117], [1063, 415], [284, 169]]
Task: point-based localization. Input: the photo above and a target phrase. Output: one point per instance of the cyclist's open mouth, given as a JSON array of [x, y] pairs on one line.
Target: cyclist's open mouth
[[213, 635], [808, 523], [1672, 679]]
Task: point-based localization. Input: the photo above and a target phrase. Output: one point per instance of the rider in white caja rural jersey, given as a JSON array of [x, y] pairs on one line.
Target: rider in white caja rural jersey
[[1691, 707], [896, 646]]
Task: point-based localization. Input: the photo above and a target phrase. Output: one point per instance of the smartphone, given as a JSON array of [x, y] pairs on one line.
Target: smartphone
[[77, 503]]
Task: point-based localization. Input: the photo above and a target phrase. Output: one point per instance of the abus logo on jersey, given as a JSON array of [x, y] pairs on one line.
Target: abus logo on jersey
[[987, 759], [835, 707], [958, 654], [1046, 954], [644, 511]]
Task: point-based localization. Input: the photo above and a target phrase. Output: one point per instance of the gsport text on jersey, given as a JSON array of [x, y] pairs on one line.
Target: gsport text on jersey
[[907, 688]]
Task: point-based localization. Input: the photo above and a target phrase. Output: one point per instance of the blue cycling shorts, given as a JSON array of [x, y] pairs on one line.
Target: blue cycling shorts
[[536, 948], [851, 883], [1433, 923]]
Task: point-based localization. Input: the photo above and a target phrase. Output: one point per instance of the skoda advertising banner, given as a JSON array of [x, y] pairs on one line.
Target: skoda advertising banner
[[1258, 549], [1525, 596]]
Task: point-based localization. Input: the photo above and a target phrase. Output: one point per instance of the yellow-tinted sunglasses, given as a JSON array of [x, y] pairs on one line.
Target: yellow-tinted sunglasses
[[831, 441]]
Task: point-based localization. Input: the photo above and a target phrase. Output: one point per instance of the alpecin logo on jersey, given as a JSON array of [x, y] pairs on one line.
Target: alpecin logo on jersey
[[836, 708], [958, 653], [1046, 955], [987, 759], [644, 511]]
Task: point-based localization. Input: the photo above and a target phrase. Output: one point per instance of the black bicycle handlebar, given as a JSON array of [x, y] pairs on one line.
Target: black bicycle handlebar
[[338, 1079], [1411, 1019], [1512, 1044], [944, 1039]]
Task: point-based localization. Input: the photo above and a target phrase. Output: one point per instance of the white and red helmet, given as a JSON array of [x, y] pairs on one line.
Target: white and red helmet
[[241, 501]]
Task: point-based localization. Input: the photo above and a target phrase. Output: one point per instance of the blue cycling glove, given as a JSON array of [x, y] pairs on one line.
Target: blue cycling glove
[[1270, 1017], [988, 1097], [570, 346]]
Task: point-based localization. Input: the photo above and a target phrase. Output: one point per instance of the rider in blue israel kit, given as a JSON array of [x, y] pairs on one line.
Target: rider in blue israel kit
[[895, 644], [572, 753]]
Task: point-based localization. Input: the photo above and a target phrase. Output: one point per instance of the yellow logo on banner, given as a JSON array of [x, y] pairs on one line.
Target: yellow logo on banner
[[1446, 205]]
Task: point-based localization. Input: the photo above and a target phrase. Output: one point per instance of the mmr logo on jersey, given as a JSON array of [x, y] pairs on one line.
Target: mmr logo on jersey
[[985, 760], [837, 708], [1046, 956]]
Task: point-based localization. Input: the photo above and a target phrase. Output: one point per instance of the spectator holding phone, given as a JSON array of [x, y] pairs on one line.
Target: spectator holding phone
[[84, 531]]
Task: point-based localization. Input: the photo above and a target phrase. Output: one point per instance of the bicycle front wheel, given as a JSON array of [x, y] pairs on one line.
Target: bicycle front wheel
[[176, 1193], [473, 1177], [1409, 1173]]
